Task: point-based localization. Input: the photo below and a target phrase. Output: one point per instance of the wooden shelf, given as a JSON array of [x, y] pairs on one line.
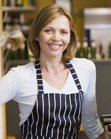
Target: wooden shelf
[[13, 63], [16, 61], [23, 9], [102, 60]]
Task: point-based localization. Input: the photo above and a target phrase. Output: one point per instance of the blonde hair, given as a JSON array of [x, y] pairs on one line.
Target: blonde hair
[[45, 16]]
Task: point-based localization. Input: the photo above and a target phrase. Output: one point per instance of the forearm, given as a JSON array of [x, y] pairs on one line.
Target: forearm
[[102, 136]]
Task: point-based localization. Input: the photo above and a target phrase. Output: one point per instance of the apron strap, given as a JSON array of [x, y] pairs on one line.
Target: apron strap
[[75, 77], [39, 77]]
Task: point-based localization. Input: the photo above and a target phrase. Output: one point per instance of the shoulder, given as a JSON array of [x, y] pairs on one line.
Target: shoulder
[[84, 68], [83, 63], [22, 70]]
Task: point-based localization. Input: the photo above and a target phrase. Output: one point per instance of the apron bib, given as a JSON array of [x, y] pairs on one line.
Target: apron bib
[[54, 115]]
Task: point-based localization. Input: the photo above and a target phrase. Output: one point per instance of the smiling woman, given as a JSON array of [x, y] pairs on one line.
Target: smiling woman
[[57, 91]]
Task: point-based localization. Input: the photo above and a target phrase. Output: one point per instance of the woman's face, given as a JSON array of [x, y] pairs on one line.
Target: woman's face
[[54, 38]]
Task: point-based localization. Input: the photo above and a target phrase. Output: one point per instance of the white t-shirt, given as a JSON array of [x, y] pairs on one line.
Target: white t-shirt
[[20, 84]]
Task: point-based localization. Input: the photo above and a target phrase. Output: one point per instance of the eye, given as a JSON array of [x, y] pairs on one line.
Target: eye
[[64, 32], [47, 30]]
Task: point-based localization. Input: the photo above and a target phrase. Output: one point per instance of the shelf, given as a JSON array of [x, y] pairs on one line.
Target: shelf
[[17, 62], [97, 18], [97, 11], [23, 9], [13, 63], [101, 60], [97, 26]]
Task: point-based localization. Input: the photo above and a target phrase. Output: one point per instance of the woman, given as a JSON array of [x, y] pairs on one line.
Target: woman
[[55, 90]]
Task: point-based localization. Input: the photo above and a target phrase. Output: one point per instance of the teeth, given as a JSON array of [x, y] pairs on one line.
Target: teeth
[[55, 46]]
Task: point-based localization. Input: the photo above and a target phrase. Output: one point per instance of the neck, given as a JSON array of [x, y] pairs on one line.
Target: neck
[[52, 65]]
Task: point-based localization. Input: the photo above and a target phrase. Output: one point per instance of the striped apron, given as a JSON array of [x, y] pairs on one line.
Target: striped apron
[[54, 115]]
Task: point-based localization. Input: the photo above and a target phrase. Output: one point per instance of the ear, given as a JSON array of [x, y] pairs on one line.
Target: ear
[[36, 39]]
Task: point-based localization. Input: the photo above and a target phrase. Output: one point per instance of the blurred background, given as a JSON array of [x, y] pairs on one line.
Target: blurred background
[[92, 21]]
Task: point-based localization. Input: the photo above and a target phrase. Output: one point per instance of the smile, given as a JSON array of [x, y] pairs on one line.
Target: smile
[[55, 46]]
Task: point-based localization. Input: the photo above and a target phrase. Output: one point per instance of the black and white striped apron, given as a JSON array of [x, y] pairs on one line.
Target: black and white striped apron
[[54, 115]]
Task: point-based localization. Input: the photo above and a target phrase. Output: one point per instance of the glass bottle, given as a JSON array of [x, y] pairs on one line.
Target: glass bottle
[[25, 3], [19, 3], [12, 3], [8, 47], [109, 49], [21, 51], [101, 54], [93, 49], [85, 48], [78, 51]]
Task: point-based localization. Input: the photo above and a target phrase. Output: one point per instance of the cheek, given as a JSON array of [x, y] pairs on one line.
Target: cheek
[[67, 40]]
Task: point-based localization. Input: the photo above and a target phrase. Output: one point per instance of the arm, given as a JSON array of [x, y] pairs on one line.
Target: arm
[[90, 120], [9, 85]]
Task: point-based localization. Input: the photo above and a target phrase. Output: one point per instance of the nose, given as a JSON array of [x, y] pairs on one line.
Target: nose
[[56, 36]]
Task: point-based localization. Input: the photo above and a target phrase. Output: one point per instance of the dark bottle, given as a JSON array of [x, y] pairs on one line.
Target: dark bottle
[[4, 50], [109, 49], [14, 54], [85, 48], [8, 23], [78, 51], [8, 51], [22, 52], [101, 54], [14, 50], [31, 3], [19, 3], [93, 49], [89, 52]]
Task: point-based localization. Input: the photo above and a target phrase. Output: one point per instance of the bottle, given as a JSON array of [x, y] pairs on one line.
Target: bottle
[[21, 52], [21, 21], [101, 54], [109, 49], [26, 51], [12, 3], [89, 52], [93, 49], [14, 52], [8, 23], [4, 50], [78, 52], [19, 3], [85, 48], [16, 22], [31, 3], [25, 3], [8, 47]]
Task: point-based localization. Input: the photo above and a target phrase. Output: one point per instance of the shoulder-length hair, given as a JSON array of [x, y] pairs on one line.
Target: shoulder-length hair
[[46, 15]]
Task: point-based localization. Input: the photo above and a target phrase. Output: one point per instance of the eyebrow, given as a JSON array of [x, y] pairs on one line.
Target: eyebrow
[[53, 28]]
